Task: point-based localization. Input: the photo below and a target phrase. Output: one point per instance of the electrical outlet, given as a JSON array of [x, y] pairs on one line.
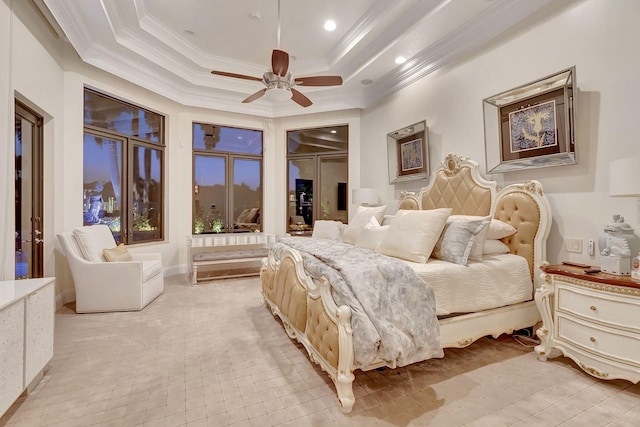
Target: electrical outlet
[[573, 245], [591, 247]]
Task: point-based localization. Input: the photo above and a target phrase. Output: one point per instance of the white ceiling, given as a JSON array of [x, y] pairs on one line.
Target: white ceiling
[[170, 47]]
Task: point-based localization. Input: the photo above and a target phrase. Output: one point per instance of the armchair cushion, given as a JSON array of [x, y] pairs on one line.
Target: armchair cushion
[[119, 253], [93, 240]]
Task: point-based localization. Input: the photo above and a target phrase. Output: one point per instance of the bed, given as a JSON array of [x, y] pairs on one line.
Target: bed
[[490, 295]]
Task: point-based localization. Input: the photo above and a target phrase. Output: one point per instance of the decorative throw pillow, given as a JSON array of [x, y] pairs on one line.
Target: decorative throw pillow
[[494, 247], [371, 235], [413, 234], [363, 215], [478, 241], [325, 229], [457, 240], [119, 253], [500, 229]]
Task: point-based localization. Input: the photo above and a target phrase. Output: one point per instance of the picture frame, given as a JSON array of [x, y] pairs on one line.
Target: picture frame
[[408, 153], [531, 126]]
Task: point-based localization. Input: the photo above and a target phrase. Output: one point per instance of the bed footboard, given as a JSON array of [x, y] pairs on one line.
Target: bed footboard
[[310, 316]]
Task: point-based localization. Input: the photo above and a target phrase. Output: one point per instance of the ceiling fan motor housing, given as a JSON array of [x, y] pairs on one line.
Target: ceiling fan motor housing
[[274, 81]]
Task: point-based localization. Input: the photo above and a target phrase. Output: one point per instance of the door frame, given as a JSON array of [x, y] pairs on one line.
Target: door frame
[[23, 112]]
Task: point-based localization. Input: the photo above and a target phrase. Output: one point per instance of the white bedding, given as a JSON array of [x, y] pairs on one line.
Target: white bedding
[[496, 281]]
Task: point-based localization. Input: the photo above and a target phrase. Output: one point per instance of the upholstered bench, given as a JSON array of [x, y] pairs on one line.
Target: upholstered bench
[[227, 258], [228, 250]]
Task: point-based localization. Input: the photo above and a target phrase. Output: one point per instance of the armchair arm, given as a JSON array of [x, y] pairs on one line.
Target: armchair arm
[[147, 256], [108, 286]]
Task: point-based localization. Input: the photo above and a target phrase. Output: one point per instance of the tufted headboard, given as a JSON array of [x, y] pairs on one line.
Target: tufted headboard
[[457, 184]]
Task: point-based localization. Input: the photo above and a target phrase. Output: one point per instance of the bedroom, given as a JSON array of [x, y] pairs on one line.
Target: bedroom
[[588, 34]]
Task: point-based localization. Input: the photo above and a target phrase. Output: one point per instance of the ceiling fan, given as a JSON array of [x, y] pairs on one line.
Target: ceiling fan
[[279, 81]]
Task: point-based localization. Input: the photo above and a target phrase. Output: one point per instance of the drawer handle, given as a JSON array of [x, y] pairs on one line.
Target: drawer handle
[[592, 339], [593, 308]]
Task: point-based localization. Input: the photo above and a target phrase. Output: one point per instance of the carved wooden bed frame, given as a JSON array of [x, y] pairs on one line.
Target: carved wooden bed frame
[[310, 315]]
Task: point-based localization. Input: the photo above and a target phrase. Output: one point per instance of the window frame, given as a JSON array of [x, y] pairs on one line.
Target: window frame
[[129, 143], [229, 215]]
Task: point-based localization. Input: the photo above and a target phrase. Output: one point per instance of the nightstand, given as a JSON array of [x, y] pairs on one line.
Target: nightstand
[[593, 319]]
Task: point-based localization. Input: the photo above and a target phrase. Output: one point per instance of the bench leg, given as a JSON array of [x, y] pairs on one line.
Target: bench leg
[[194, 275]]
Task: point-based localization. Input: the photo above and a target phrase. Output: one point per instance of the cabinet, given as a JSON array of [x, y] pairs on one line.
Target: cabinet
[[27, 310], [592, 319]]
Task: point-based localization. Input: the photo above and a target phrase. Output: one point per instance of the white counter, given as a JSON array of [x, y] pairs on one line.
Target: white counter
[[27, 312]]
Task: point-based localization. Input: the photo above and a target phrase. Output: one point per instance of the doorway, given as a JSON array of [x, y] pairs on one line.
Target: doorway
[[28, 193], [318, 170]]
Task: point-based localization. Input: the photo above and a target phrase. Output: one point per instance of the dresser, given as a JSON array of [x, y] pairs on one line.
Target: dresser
[[27, 310], [592, 318]]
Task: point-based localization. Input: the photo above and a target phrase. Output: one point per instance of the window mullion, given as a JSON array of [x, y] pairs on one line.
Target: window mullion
[[127, 170]]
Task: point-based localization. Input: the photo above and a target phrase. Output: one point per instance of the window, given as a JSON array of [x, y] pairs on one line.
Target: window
[[318, 176], [123, 168], [227, 179]]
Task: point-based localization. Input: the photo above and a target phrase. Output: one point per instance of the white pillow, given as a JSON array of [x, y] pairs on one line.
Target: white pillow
[[458, 238], [326, 229], [478, 241], [499, 229], [359, 220], [387, 220], [413, 234], [372, 234], [92, 240], [494, 247]]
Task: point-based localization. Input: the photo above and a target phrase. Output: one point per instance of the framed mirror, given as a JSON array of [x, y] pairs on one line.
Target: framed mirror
[[408, 153], [531, 126]]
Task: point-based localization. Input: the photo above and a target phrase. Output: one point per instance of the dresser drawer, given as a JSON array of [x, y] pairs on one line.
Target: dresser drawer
[[608, 342], [614, 310]]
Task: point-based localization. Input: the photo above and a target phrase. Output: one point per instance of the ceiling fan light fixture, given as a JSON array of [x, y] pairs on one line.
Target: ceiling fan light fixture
[[278, 94]]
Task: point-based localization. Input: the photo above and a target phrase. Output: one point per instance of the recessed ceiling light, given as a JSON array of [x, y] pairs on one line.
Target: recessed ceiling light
[[189, 32], [330, 25], [401, 60], [334, 131], [366, 81]]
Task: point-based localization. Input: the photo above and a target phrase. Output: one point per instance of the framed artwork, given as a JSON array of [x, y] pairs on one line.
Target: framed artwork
[[531, 126], [408, 153]]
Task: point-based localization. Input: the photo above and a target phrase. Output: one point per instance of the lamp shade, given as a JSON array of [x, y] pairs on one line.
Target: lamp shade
[[624, 177], [365, 196]]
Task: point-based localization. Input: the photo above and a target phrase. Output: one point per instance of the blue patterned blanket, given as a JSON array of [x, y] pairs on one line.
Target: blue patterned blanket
[[394, 314]]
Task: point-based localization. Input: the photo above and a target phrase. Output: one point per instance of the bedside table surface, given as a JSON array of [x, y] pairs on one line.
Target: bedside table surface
[[578, 273]]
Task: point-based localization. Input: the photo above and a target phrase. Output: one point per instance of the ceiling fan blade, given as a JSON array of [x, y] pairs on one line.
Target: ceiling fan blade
[[300, 99], [280, 62], [255, 96], [319, 81], [234, 75]]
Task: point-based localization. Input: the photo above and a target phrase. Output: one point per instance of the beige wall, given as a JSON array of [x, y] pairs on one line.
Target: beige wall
[[598, 37]]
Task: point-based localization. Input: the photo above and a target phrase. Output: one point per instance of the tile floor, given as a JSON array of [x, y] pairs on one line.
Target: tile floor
[[212, 355]]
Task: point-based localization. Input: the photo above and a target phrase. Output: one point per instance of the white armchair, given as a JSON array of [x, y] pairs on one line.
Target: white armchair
[[103, 286]]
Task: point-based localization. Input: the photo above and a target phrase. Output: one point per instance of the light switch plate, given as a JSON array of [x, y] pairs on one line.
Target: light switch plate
[[573, 245]]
